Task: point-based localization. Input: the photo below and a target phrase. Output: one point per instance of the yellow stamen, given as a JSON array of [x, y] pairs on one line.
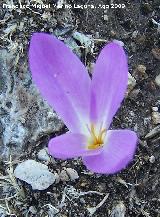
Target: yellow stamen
[[96, 141]]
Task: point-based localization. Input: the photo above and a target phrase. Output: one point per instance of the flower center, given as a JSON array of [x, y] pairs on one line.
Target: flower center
[[96, 139]]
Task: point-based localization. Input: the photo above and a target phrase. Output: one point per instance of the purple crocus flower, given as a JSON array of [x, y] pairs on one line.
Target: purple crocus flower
[[86, 106]]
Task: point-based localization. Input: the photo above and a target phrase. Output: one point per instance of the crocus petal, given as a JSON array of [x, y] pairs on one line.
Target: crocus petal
[[117, 152], [70, 145], [61, 78], [109, 83]]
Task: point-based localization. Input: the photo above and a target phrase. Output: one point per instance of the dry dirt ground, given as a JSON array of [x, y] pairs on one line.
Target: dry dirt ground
[[135, 190]]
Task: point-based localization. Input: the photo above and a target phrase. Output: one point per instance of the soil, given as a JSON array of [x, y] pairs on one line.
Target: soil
[[137, 187]]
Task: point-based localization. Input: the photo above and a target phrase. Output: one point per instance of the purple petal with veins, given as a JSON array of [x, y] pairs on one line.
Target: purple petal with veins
[[109, 83], [61, 78]]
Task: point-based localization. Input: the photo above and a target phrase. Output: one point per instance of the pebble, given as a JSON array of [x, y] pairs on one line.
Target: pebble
[[134, 34], [101, 187], [68, 174], [34, 173], [119, 210], [156, 118], [64, 176], [60, 3], [156, 53], [105, 17], [131, 83], [43, 155], [33, 209], [113, 33], [140, 73], [134, 93], [155, 109], [73, 175], [157, 80], [152, 159]]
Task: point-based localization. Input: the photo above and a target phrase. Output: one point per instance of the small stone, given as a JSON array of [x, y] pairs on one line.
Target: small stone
[[152, 159], [136, 127], [156, 118], [134, 93], [64, 176], [73, 175], [97, 35], [133, 47], [102, 187], [146, 8], [33, 209], [113, 33], [157, 80], [140, 73], [156, 53], [21, 26], [131, 83], [105, 17], [51, 30], [119, 210], [60, 3], [82, 200], [134, 34], [43, 155], [34, 173], [155, 109]]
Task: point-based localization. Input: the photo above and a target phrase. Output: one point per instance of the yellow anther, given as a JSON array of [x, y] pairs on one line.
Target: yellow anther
[[96, 140]]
